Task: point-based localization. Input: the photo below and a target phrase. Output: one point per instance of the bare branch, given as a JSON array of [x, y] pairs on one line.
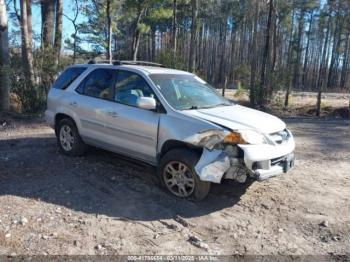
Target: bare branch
[[16, 11]]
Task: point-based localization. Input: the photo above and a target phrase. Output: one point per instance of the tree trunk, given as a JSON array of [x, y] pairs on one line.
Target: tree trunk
[[222, 55], [48, 22], [58, 30], [174, 31], [336, 44], [299, 50], [305, 70], [149, 47], [75, 42], [200, 47], [241, 40], [136, 46], [272, 55], [27, 53], [346, 60], [29, 20], [109, 32], [4, 60], [289, 61], [253, 58], [193, 43], [266, 59], [323, 70], [137, 34], [232, 56], [153, 36]]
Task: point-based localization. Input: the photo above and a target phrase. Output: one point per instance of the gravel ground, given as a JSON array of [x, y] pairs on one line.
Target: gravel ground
[[103, 203]]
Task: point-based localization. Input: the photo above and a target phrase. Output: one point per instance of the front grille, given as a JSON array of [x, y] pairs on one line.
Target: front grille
[[277, 161]]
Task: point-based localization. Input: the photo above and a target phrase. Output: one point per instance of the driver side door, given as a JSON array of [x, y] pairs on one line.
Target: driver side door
[[131, 130]]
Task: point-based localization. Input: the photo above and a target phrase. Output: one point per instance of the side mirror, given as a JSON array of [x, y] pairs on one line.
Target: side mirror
[[148, 103]]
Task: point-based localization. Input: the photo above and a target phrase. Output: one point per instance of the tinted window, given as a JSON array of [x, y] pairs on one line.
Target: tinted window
[[98, 83], [67, 77], [131, 86]]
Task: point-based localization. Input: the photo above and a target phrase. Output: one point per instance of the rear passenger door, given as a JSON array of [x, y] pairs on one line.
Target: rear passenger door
[[132, 131], [92, 104]]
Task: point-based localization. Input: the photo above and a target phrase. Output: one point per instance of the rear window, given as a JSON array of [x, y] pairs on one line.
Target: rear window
[[67, 77]]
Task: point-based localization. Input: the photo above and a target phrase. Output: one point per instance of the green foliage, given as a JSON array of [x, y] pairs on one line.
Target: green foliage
[[278, 101], [143, 28], [280, 79], [323, 105], [166, 58], [159, 14], [242, 74], [239, 91], [254, 92], [94, 30], [34, 100], [27, 97]]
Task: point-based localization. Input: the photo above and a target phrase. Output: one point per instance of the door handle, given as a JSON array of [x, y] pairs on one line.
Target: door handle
[[112, 113], [73, 104]]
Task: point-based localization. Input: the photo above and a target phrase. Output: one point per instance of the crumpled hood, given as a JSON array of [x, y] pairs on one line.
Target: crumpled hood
[[239, 117]]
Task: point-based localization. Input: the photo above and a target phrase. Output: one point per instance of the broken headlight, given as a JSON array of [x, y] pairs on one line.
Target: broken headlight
[[245, 137]]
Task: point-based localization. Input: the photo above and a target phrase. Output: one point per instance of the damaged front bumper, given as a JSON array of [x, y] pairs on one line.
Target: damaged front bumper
[[257, 161], [265, 161], [283, 165]]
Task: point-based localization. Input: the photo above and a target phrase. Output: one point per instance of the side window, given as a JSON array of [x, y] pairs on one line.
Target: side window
[[98, 83], [130, 87], [67, 77]]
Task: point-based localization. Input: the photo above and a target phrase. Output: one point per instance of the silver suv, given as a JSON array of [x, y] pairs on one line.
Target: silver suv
[[170, 119]]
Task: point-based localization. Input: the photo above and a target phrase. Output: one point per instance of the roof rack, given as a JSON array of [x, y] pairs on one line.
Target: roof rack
[[125, 62], [93, 61], [130, 62]]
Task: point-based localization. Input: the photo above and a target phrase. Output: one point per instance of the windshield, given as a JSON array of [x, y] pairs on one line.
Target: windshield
[[185, 92]]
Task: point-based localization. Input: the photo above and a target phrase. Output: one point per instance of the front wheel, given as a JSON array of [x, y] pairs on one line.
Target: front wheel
[[177, 173]]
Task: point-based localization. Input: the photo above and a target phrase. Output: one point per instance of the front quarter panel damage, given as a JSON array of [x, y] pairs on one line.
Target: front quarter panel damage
[[222, 158], [214, 162], [218, 157], [212, 165]]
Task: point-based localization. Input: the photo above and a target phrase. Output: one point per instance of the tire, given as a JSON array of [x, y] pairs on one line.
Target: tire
[[76, 145], [182, 161]]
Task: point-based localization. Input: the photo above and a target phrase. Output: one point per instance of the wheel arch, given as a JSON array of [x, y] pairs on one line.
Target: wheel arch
[[176, 144], [59, 117]]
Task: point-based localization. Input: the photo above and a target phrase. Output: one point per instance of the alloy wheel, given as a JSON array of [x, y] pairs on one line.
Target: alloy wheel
[[66, 138], [179, 179]]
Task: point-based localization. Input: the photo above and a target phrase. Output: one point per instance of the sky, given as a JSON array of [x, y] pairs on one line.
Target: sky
[[67, 26]]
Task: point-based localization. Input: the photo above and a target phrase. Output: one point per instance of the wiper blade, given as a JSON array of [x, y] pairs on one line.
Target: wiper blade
[[206, 107], [212, 106], [223, 104], [190, 108]]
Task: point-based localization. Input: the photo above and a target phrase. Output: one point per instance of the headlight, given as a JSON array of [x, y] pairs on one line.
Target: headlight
[[245, 137]]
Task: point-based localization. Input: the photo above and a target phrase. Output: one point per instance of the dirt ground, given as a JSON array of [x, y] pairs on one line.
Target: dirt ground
[[103, 203], [334, 105]]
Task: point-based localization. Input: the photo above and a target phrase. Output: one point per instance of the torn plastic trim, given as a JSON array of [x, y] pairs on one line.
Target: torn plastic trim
[[212, 165], [216, 164], [217, 158]]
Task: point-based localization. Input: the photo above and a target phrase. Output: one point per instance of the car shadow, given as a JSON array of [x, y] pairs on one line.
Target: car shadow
[[100, 182]]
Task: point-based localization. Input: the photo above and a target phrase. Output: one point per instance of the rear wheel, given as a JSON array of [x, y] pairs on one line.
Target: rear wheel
[[68, 138], [177, 173]]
